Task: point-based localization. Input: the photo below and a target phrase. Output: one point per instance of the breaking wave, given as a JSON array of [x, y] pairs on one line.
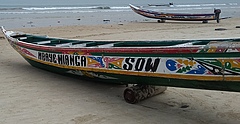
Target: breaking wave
[[96, 8]]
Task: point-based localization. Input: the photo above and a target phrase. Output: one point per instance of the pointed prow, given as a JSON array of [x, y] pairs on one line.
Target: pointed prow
[[8, 33], [3, 29]]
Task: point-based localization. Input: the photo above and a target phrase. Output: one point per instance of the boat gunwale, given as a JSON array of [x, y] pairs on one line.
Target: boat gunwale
[[162, 15], [147, 50]]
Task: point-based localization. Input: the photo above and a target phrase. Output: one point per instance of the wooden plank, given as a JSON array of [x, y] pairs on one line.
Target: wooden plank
[[43, 42]]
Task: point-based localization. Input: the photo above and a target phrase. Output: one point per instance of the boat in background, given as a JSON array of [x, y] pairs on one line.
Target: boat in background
[[162, 17], [169, 5], [151, 66]]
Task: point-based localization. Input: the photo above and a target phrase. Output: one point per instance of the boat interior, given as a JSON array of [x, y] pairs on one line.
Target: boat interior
[[46, 41]]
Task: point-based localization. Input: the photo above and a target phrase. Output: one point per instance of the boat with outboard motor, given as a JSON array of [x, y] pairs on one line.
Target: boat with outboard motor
[[162, 16]]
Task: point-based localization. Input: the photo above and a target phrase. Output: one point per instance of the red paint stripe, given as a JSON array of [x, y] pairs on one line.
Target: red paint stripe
[[111, 50]]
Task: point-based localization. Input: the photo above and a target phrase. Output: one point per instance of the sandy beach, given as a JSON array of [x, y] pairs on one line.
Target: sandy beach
[[29, 95]]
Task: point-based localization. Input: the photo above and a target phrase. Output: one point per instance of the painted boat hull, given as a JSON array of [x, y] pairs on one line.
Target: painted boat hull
[[144, 80], [175, 16], [215, 66]]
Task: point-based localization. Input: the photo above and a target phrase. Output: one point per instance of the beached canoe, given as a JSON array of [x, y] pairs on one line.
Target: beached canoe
[[169, 4], [162, 17], [212, 64]]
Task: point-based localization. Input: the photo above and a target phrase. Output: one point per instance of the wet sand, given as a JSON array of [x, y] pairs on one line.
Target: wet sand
[[32, 95]]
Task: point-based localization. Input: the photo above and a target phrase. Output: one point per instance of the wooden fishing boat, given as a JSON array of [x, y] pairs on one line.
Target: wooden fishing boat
[[162, 17], [169, 4], [212, 64]]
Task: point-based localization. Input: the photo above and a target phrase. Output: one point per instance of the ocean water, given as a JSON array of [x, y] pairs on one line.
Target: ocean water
[[36, 13]]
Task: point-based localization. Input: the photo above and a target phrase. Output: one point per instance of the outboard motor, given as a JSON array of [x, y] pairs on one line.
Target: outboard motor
[[217, 14]]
